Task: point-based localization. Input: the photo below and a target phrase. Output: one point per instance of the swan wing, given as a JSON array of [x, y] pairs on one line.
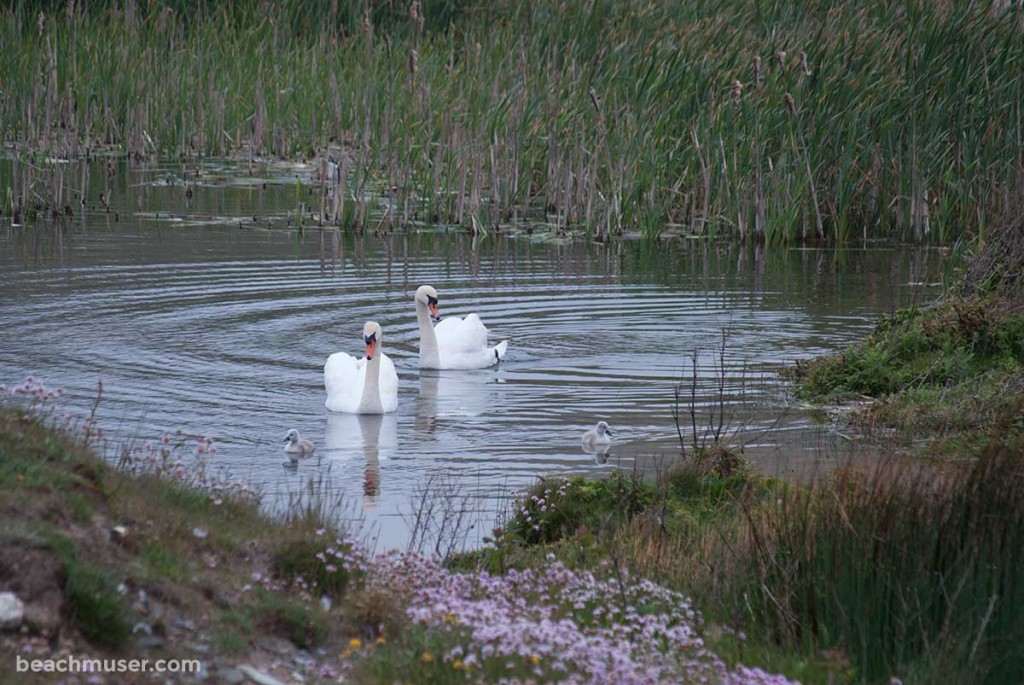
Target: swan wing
[[456, 335], [462, 344], [343, 378]]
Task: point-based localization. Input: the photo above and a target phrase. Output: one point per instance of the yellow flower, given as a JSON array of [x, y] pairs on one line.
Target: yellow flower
[[457, 664], [427, 657], [381, 640], [355, 643], [534, 659]]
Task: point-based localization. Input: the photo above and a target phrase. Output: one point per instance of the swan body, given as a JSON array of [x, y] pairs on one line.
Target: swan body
[[454, 343], [362, 386], [297, 447], [597, 437]]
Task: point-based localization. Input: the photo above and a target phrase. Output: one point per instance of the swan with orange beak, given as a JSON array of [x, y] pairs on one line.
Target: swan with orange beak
[[454, 343], [362, 386]]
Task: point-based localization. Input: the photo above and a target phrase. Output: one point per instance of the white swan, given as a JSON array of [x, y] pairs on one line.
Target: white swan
[[362, 386], [454, 343], [297, 447], [597, 437]]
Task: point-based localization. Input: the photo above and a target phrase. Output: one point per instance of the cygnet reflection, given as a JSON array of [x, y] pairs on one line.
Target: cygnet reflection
[[599, 452]]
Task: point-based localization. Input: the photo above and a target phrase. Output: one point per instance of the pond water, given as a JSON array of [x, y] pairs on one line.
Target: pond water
[[200, 309]]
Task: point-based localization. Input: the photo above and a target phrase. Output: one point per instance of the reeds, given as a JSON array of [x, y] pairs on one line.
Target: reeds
[[916, 572], [811, 120]]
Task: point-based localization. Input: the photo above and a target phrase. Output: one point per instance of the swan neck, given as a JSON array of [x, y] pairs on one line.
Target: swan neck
[[429, 356], [371, 386]]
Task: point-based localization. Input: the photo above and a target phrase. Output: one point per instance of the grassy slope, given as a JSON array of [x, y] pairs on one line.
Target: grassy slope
[[66, 508]]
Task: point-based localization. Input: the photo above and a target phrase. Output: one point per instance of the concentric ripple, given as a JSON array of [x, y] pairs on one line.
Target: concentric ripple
[[224, 332]]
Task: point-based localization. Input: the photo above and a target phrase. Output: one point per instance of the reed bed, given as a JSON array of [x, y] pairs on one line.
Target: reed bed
[[915, 573], [773, 121]]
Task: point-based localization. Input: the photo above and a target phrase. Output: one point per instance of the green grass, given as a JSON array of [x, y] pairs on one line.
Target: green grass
[[774, 120], [912, 571], [230, 642], [94, 604], [416, 657], [951, 342], [163, 562], [61, 500], [950, 375], [303, 626]]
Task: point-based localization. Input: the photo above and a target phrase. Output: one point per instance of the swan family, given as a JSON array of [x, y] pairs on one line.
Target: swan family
[[370, 385]]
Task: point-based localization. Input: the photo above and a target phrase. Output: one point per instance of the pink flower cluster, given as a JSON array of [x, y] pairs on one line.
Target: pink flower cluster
[[552, 623], [31, 389], [162, 461]]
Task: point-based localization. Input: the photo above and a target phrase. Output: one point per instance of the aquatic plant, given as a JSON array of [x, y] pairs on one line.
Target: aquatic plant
[[776, 121]]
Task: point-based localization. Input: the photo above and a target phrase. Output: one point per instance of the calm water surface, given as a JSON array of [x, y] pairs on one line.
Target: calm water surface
[[209, 314]]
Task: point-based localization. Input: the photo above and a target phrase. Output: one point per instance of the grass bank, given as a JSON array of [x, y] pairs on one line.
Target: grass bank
[[162, 563], [887, 573], [776, 121], [949, 375], [154, 559]]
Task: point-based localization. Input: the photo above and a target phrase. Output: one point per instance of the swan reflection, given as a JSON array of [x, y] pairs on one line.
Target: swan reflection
[[453, 395], [372, 436]]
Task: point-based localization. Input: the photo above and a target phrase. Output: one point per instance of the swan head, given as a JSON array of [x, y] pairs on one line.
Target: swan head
[[372, 336], [427, 296], [602, 428], [293, 436]]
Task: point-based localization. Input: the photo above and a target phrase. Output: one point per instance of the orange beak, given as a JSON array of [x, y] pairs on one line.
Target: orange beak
[[433, 311], [371, 345]]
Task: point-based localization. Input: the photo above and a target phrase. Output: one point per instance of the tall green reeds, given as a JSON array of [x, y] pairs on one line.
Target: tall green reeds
[[917, 573], [902, 120]]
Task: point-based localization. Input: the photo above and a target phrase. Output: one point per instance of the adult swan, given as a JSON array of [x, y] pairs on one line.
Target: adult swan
[[453, 343], [362, 386]]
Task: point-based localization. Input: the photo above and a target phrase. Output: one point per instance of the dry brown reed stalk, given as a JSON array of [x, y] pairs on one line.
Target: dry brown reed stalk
[[705, 173], [999, 265]]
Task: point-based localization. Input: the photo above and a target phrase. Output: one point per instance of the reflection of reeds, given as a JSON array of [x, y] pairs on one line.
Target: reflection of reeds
[[458, 112]]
